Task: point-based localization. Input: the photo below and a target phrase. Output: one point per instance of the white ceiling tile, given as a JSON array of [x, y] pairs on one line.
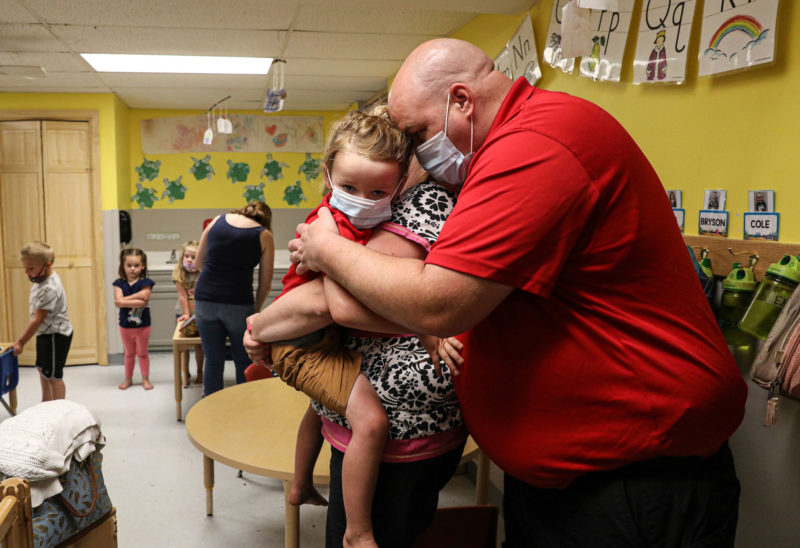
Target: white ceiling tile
[[329, 45], [388, 20], [169, 41], [228, 14], [13, 12], [332, 67], [55, 80], [27, 37], [52, 62]]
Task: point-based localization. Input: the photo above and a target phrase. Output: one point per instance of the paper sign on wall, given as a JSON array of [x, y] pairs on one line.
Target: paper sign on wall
[[761, 226], [737, 34], [664, 30], [576, 31], [713, 223], [608, 37], [608, 5], [680, 215], [520, 56], [553, 54]]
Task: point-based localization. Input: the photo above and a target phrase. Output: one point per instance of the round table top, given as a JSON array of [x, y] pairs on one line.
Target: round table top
[[253, 427]]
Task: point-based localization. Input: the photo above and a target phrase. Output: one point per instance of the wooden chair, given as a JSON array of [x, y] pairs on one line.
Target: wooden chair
[[16, 523], [462, 526]]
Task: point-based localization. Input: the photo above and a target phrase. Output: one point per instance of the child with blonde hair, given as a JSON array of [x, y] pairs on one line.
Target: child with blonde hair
[[185, 276], [49, 320], [131, 294], [365, 162]]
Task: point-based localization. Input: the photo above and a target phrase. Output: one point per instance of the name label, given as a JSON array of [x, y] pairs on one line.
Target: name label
[[713, 223], [680, 216], [761, 226]]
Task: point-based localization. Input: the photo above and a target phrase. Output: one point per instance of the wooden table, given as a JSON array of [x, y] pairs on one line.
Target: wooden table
[[253, 427], [180, 357], [12, 395]]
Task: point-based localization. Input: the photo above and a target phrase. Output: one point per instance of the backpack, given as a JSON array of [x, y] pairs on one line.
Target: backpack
[[777, 365]]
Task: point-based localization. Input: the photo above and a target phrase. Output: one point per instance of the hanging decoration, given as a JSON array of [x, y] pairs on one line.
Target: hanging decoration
[[552, 51], [277, 93], [609, 34], [664, 31], [737, 35], [519, 56]]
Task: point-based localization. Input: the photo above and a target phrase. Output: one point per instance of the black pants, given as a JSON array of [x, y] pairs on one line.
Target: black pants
[[665, 502], [406, 497], [51, 354]]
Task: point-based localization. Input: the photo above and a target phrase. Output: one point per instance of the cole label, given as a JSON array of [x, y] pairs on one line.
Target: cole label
[[761, 226]]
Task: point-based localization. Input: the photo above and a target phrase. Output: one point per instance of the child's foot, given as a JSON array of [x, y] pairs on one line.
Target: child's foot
[[125, 384], [305, 495], [147, 384]]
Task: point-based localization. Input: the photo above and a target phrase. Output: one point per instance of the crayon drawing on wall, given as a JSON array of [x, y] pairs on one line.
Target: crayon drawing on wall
[[251, 133], [737, 37]]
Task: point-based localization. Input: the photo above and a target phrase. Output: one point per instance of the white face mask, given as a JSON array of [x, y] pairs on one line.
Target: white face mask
[[439, 156], [362, 212]]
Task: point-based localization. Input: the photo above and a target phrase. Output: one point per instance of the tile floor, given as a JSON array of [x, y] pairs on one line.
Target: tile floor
[[155, 476]]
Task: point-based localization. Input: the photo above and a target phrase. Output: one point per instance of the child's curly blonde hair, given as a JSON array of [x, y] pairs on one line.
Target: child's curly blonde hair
[[372, 135]]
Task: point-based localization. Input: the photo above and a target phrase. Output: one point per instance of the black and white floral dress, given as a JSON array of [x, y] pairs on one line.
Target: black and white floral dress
[[417, 402]]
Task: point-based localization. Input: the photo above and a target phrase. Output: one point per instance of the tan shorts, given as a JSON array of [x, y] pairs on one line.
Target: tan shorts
[[325, 371]]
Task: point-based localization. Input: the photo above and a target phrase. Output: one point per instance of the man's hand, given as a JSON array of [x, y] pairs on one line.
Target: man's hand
[[305, 250], [256, 350]]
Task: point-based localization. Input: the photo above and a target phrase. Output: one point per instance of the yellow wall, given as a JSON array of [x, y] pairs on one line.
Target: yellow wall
[[735, 132], [219, 191], [108, 107]]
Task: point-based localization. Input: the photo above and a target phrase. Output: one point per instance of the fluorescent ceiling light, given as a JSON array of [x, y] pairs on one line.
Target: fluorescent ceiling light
[[177, 64]]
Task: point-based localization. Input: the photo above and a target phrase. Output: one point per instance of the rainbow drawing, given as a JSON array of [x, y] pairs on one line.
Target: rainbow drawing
[[743, 23]]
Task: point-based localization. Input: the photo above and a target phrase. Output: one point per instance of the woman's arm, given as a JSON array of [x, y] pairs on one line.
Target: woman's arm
[[265, 268], [299, 312], [201, 247], [183, 299]]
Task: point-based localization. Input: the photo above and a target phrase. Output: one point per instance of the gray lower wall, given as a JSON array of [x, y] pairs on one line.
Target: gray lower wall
[[188, 223]]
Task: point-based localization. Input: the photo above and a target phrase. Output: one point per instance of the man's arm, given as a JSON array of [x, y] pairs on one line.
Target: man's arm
[[39, 314], [427, 298]]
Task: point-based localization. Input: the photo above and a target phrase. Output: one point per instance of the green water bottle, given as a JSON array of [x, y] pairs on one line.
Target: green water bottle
[[737, 292], [772, 294]]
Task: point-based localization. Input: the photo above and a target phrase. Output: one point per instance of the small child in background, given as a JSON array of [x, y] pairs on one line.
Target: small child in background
[[131, 293], [185, 277], [49, 320]]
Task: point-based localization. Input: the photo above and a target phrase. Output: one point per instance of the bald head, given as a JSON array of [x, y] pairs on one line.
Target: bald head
[[435, 65], [435, 69]]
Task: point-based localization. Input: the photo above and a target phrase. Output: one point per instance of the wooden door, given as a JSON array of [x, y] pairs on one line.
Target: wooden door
[[56, 208], [21, 220]]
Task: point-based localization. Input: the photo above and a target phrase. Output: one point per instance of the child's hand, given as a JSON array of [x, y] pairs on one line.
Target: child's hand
[[256, 350], [17, 348], [449, 350], [182, 318]]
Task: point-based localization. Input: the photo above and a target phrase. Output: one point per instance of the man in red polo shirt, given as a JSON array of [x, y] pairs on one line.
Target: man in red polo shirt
[[594, 372]]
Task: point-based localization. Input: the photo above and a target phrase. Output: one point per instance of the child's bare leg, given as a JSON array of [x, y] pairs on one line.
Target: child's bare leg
[[199, 358], [47, 394], [309, 443], [126, 383], [367, 417], [57, 389]]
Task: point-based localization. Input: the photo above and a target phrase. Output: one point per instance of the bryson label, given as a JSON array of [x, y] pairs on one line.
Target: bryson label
[[713, 223]]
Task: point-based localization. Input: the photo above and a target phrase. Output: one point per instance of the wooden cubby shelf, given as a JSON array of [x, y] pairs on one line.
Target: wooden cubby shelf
[[723, 252]]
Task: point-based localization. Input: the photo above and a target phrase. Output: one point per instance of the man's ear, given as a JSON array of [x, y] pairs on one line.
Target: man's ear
[[461, 96]]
